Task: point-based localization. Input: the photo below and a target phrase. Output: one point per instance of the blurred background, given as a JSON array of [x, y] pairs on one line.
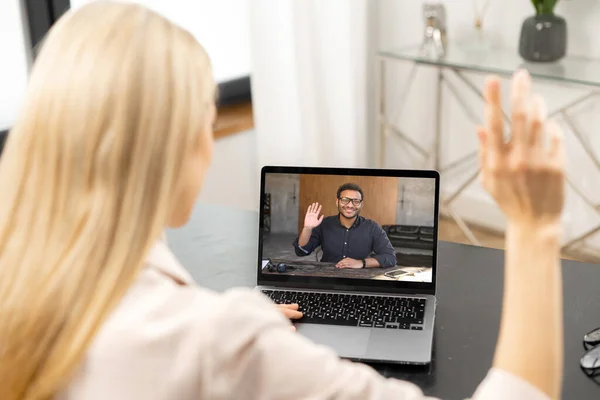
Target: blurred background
[[300, 85]]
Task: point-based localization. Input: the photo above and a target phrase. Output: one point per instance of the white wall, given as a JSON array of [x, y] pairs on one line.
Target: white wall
[[401, 24], [220, 25], [285, 198], [13, 61]]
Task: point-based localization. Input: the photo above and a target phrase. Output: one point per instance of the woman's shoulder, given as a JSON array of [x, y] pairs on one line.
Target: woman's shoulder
[[168, 331]]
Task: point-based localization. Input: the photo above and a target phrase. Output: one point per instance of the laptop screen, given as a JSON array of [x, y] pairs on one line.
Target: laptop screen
[[365, 228]]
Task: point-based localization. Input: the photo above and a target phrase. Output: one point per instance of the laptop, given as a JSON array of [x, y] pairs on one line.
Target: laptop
[[356, 249]]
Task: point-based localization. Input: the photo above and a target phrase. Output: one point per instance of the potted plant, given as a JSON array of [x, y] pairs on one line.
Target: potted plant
[[544, 35]]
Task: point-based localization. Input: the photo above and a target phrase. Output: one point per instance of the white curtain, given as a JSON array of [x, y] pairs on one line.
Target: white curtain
[[311, 80]]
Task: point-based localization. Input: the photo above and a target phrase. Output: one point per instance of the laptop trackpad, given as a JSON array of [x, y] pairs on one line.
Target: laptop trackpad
[[347, 341]]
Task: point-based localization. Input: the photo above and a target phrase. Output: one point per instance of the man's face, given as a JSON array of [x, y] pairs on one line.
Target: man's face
[[349, 203]]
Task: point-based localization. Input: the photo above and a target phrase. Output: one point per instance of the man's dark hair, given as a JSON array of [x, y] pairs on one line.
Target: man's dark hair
[[350, 186]]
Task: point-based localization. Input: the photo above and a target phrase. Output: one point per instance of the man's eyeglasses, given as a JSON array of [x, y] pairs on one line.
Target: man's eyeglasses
[[590, 362], [346, 200]]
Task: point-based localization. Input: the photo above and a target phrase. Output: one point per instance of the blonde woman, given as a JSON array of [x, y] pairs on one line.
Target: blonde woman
[[111, 147]]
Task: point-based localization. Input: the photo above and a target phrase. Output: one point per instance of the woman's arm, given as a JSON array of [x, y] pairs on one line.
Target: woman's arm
[[526, 178], [530, 344]]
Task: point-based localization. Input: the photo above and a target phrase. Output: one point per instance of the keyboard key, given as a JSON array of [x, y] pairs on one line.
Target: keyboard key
[[366, 324]]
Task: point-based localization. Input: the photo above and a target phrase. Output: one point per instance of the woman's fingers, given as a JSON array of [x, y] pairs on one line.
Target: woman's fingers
[[288, 306], [520, 93], [290, 311], [482, 136], [292, 314], [493, 113], [556, 151], [537, 116]]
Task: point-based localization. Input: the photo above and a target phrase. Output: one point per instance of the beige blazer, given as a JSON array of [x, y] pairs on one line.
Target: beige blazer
[[170, 339]]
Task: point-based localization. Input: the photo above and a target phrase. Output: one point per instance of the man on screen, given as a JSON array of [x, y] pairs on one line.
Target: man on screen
[[346, 239]]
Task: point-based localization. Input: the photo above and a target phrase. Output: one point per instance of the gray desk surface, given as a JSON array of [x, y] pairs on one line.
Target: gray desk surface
[[219, 247]]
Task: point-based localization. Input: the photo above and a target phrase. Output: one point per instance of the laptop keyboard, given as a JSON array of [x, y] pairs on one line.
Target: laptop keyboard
[[354, 310]]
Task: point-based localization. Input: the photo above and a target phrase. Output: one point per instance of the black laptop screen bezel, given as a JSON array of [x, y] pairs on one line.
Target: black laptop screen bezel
[[366, 285]]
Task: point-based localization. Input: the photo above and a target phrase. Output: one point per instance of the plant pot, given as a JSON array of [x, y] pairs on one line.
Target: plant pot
[[543, 38]]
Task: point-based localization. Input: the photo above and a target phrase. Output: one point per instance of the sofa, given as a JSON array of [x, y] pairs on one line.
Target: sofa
[[410, 236]]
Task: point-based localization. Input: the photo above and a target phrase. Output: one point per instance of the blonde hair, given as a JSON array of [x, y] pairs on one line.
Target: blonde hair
[[117, 97]]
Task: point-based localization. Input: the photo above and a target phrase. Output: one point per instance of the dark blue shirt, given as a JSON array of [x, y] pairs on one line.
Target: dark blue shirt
[[360, 241]]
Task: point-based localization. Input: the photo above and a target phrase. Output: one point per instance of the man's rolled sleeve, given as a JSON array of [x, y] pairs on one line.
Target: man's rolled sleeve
[[308, 248]]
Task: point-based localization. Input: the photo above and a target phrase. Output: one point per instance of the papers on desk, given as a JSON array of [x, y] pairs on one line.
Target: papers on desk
[[421, 276], [415, 274]]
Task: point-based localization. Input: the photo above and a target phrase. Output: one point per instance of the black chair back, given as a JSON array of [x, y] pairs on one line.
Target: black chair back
[[3, 136]]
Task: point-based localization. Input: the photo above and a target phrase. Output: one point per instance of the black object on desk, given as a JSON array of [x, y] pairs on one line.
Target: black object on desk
[[279, 267], [219, 244], [590, 362], [3, 136]]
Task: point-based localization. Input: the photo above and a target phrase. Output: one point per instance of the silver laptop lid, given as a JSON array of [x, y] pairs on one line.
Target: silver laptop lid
[[373, 230]]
